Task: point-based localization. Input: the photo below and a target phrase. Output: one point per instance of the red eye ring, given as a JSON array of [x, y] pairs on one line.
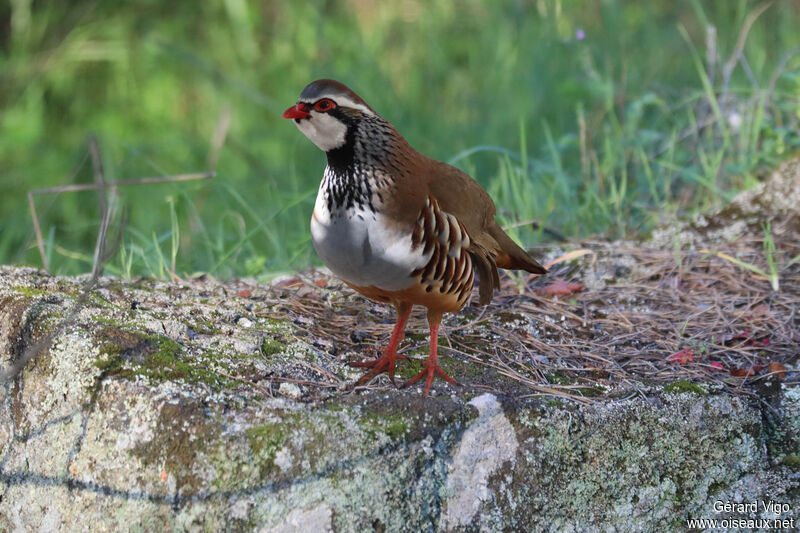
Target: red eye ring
[[325, 105]]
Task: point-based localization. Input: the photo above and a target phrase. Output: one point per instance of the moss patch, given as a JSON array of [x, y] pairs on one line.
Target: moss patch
[[277, 325], [204, 326], [589, 392], [464, 369], [558, 377], [266, 439], [392, 425], [29, 291], [408, 368], [453, 367], [128, 354], [99, 301], [678, 387], [792, 461]]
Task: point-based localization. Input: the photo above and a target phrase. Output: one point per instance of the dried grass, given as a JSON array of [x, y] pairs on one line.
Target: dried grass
[[599, 342]]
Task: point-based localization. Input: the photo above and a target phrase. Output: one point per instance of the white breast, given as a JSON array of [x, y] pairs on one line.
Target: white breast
[[357, 246]]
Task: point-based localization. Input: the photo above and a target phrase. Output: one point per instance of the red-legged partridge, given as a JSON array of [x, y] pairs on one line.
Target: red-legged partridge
[[395, 225]]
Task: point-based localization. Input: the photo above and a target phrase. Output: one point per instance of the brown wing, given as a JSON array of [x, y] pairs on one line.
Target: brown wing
[[464, 198]]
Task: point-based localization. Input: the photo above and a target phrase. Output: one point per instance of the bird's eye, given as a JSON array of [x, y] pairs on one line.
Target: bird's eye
[[324, 105]]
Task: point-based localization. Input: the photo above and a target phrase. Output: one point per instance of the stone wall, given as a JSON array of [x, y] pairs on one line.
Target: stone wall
[[154, 411]]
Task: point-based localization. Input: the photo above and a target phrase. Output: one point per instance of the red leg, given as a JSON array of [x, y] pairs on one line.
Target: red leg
[[432, 367], [386, 361]]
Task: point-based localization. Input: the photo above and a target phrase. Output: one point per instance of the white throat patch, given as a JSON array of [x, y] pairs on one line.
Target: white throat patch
[[327, 132]]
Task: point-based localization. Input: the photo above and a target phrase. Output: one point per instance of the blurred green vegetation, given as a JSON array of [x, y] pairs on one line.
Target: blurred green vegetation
[[587, 117]]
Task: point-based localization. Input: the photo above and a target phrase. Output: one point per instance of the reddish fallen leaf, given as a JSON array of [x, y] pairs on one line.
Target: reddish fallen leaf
[[560, 288], [684, 356], [746, 372], [244, 294], [716, 365], [321, 283], [163, 475], [291, 282], [777, 369]]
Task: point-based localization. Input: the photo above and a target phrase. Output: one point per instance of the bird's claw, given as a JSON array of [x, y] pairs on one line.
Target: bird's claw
[[429, 372], [385, 363]]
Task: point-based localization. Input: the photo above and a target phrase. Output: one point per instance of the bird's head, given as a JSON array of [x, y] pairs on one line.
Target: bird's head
[[326, 112]]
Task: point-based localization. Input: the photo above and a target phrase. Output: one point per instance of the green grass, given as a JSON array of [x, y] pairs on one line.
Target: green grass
[[773, 270], [607, 134]]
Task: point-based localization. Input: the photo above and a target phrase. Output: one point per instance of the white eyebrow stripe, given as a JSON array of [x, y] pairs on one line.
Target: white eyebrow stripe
[[341, 100]]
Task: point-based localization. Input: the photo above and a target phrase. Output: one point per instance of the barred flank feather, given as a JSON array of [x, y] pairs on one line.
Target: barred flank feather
[[450, 269]]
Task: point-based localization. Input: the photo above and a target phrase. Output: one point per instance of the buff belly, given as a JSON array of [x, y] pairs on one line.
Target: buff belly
[[359, 247]]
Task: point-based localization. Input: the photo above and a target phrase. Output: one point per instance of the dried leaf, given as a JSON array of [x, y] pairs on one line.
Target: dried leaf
[[716, 365], [777, 369], [560, 288], [291, 282], [244, 293], [746, 372], [684, 356]]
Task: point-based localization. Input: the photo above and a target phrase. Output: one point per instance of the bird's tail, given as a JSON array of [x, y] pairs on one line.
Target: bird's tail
[[510, 255]]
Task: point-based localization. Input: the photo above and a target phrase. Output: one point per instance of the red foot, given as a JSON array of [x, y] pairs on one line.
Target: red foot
[[384, 363], [431, 369]]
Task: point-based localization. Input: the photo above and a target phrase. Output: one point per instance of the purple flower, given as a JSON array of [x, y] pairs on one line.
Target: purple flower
[[580, 34]]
